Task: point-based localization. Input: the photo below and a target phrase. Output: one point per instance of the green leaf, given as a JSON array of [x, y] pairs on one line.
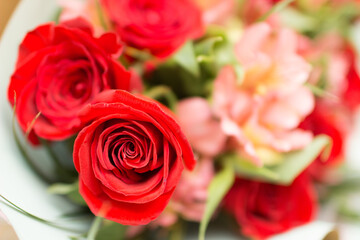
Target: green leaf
[[246, 168], [218, 188], [111, 231], [276, 8], [70, 190], [162, 91], [297, 20], [205, 49], [186, 58], [225, 55], [63, 189], [295, 162], [320, 92], [292, 163]]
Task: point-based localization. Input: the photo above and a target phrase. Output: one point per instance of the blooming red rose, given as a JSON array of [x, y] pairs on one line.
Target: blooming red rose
[[130, 158], [59, 70], [264, 209], [160, 26]]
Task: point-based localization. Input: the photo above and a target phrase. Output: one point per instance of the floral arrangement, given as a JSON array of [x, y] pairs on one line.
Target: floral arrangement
[[161, 114]]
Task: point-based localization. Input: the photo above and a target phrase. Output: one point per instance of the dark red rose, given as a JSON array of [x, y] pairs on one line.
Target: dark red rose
[[130, 158], [160, 26], [263, 209], [334, 121], [59, 70]]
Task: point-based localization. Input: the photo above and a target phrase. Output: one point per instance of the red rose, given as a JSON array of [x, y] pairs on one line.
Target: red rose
[[264, 209], [160, 26], [334, 121], [130, 158], [59, 70], [351, 96]]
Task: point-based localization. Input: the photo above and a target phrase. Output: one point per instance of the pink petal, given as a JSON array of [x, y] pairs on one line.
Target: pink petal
[[199, 125], [248, 49], [294, 140]]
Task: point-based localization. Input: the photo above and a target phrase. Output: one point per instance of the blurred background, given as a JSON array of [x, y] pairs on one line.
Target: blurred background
[[6, 8]]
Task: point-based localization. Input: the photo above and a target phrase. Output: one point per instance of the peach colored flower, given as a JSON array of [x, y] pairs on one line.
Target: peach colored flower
[[199, 125], [263, 109]]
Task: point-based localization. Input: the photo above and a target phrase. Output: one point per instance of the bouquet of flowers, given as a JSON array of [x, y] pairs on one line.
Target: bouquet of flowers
[[156, 115]]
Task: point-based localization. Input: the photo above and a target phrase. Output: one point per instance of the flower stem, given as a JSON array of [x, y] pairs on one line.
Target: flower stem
[[95, 228]]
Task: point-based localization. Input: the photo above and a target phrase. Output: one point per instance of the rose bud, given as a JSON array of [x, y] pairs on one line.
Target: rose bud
[[130, 158]]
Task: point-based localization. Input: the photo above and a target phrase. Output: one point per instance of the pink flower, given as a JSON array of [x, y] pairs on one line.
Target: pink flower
[[190, 195], [199, 125], [270, 59], [263, 109]]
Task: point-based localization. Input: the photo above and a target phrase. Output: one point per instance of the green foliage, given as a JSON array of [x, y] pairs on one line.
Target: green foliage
[[69, 190], [218, 188], [201, 60], [186, 58], [111, 231], [246, 168], [205, 49], [295, 162], [276, 8], [320, 20], [163, 92], [292, 163]]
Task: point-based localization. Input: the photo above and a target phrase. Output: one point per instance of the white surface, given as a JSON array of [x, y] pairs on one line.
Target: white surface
[[315, 230], [17, 182]]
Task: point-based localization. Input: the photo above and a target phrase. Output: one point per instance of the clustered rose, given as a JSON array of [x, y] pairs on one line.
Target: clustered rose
[[130, 151], [160, 26], [59, 70], [130, 158]]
